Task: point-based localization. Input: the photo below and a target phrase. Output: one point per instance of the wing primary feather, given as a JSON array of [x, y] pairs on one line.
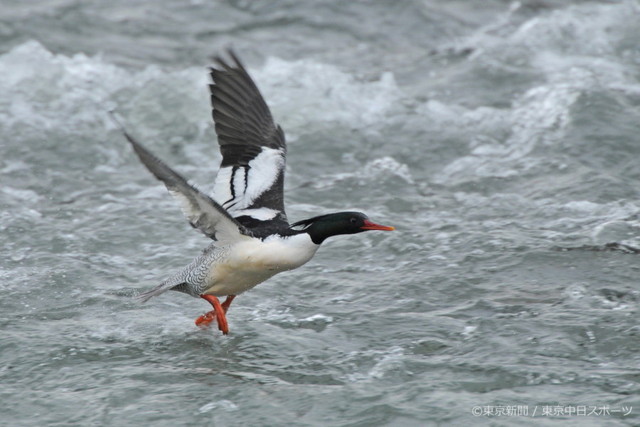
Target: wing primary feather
[[202, 212], [249, 139]]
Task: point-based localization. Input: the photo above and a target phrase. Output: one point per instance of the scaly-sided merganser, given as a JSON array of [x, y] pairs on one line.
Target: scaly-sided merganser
[[252, 239]]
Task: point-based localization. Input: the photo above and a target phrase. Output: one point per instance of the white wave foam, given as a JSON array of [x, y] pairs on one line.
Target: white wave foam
[[306, 91], [49, 90], [579, 29], [55, 91], [539, 117], [574, 52], [21, 195], [225, 405], [588, 29], [373, 171], [43, 86], [385, 362], [619, 231]]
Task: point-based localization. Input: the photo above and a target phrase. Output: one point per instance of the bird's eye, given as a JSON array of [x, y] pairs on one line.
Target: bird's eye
[[353, 220]]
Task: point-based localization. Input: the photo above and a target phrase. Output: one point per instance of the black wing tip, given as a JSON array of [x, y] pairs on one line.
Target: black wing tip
[[148, 159], [120, 126], [222, 63]]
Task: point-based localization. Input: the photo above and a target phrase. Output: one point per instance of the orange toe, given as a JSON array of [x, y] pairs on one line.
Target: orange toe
[[206, 319]]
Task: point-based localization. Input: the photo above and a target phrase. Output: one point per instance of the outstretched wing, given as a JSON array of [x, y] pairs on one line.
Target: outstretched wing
[[202, 212], [249, 184]]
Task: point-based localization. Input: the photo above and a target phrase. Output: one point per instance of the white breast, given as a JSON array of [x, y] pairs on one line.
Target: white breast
[[253, 261]]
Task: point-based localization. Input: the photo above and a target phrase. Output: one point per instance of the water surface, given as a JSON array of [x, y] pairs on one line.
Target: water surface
[[499, 138]]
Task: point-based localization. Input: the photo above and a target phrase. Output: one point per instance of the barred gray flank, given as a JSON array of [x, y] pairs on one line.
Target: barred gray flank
[[192, 279]]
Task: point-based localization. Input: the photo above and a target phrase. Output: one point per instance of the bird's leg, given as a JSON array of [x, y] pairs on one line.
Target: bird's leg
[[227, 303], [217, 313]]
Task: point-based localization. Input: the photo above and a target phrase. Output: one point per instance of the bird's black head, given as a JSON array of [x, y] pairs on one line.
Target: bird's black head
[[324, 226]]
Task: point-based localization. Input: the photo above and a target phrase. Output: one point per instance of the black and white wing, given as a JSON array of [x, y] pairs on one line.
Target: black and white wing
[[249, 184], [202, 212]]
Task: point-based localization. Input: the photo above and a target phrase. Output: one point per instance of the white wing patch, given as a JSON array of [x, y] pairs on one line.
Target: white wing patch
[[222, 187], [264, 171], [203, 216], [261, 214], [237, 191]]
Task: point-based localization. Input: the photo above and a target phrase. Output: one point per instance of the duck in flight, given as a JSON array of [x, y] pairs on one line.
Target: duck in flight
[[245, 218]]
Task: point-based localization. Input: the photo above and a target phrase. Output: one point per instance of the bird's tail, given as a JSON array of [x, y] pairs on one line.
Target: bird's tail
[[179, 281], [160, 289]]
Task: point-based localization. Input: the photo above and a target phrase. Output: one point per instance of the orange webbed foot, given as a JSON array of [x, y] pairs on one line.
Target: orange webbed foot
[[206, 319], [217, 313]]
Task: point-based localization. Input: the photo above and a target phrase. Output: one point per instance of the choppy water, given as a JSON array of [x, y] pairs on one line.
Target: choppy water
[[501, 138]]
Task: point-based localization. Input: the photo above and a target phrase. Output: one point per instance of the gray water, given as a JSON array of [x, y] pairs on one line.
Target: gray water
[[500, 138]]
